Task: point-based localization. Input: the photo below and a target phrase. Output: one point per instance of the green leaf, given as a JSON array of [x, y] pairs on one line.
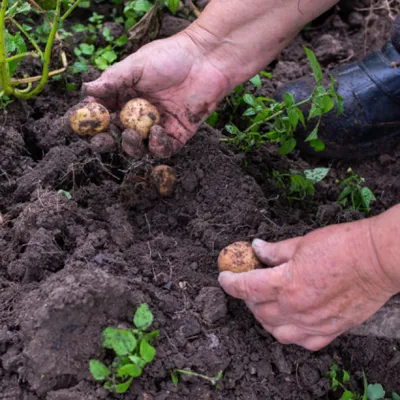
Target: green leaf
[[143, 317], [300, 115], [249, 99], [314, 176], [173, 5], [315, 66], [80, 66], [301, 186], [110, 56], [121, 41], [212, 119], [287, 146], [315, 110], [317, 145], [345, 193], [314, 134], [174, 378], [375, 392], [395, 396], [288, 99], [347, 395], [249, 112], [129, 370], [367, 196], [256, 81], [101, 63], [87, 49], [266, 74], [147, 351], [123, 387], [121, 341], [98, 370], [327, 104], [346, 375], [293, 117]]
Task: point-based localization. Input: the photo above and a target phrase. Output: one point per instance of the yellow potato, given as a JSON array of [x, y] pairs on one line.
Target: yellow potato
[[91, 119], [164, 178], [238, 257], [140, 115]]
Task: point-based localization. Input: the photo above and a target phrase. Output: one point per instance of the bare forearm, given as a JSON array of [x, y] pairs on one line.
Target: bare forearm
[[385, 231], [243, 36]]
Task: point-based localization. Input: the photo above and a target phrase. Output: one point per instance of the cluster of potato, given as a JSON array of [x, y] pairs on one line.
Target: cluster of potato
[[138, 116]]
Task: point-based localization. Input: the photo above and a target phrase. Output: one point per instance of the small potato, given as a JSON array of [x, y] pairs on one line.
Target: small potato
[[238, 257], [91, 119], [103, 143], [164, 178], [140, 115], [132, 143]]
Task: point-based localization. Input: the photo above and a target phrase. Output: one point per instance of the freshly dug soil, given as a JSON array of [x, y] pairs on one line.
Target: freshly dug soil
[[70, 267]]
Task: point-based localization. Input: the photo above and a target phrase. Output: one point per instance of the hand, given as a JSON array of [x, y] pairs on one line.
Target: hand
[[321, 285], [174, 75]]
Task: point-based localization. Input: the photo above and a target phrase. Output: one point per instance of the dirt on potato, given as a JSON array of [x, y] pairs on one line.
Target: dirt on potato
[[85, 238]]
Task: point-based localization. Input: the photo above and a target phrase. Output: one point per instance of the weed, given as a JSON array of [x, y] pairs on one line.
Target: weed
[[133, 350], [340, 380], [215, 381], [17, 42], [280, 120], [298, 185], [354, 194]]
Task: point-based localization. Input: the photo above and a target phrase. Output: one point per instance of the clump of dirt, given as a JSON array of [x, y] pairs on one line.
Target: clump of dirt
[[72, 266]]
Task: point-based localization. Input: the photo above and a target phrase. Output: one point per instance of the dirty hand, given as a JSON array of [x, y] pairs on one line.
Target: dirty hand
[[175, 76], [322, 284]]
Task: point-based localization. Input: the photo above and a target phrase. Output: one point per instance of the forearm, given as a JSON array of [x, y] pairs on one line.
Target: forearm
[[385, 233], [241, 37]]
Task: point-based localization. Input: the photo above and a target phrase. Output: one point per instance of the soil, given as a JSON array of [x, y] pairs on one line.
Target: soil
[[71, 267]]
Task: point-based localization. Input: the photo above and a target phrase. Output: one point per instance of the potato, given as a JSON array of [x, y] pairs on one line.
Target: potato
[[103, 143], [164, 178], [91, 119], [238, 257], [140, 115], [132, 143]]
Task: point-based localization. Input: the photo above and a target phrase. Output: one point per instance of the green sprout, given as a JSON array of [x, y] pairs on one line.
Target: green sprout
[[133, 350], [355, 194]]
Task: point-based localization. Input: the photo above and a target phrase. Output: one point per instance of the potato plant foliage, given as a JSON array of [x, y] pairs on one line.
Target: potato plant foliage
[[268, 120], [132, 350]]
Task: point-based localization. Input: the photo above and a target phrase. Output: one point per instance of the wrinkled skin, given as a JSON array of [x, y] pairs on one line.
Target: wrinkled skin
[[173, 75], [321, 285]]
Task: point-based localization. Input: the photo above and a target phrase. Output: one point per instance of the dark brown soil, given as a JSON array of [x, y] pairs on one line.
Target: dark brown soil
[[70, 267]]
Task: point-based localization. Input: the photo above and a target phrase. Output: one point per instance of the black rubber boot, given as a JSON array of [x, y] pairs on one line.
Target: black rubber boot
[[370, 89]]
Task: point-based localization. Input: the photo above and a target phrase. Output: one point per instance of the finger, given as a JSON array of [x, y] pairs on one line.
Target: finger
[[268, 314], [316, 343], [274, 254], [290, 334], [161, 144], [257, 286], [116, 84]]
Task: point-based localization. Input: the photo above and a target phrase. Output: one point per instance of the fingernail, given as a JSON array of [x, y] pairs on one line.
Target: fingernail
[[257, 244], [224, 275]]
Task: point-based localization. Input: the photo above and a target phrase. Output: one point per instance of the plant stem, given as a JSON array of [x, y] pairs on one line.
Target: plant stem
[[71, 9], [276, 114], [26, 34], [191, 373], [22, 55], [46, 57], [4, 69]]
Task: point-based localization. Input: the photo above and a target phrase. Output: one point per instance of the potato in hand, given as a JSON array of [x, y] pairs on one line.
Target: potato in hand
[[238, 257], [90, 120]]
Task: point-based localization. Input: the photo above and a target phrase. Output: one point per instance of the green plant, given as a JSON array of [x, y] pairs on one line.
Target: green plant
[[276, 122], [215, 381], [133, 350], [340, 380], [299, 185], [354, 194], [17, 42]]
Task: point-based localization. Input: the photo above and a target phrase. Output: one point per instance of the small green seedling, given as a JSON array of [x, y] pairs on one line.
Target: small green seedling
[[276, 122], [215, 381], [133, 350], [355, 194], [299, 185], [340, 380]]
